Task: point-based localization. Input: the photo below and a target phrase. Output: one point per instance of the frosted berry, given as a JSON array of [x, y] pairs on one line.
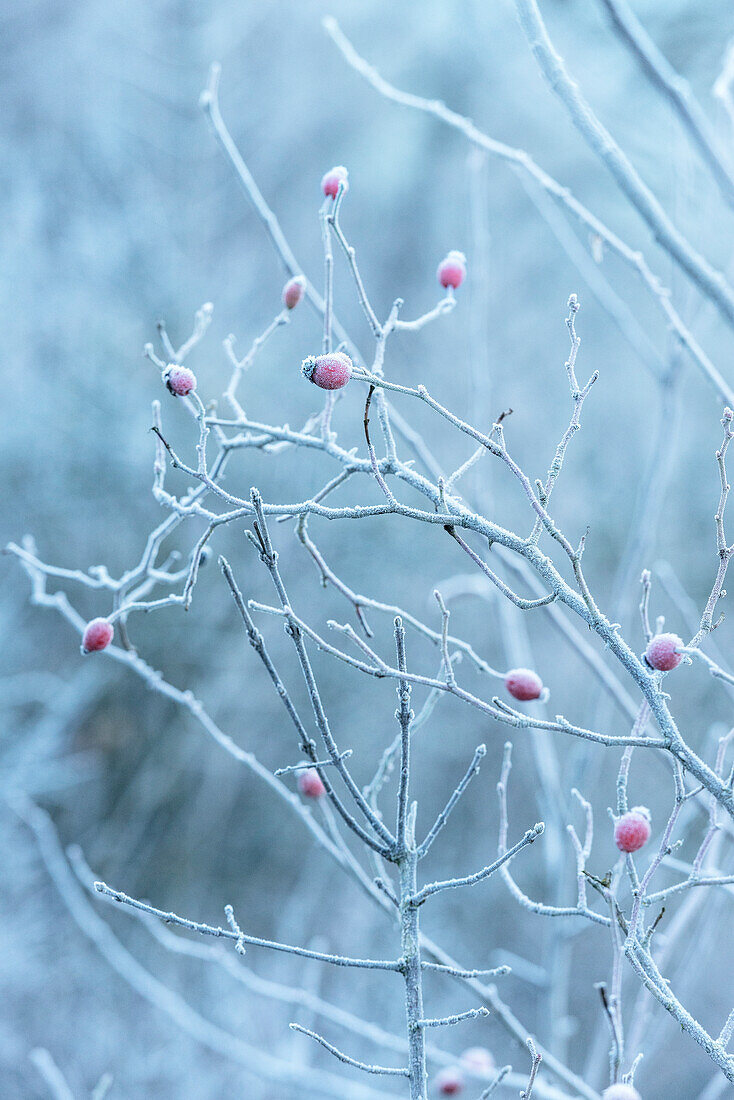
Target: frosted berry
[[632, 830], [523, 684], [332, 179], [479, 1060], [97, 635], [661, 652], [293, 291], [179, 380], [330, 372], [309, 784], [452, 270], [621, 1092], [450, 1081]]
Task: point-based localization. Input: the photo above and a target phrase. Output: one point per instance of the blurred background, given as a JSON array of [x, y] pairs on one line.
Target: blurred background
[[118, 210]]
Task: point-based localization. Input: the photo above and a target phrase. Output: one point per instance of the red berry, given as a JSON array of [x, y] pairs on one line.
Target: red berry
[[632, 830], [332, 179], [452, 270], [661, 652], [309, 784], [621, 1092], [97, 635], [179, 380], [450, 1081], [479, 1060], [293, 291], [330, 372], [523, 684]]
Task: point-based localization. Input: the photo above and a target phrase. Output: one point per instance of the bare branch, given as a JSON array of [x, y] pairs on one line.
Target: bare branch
[[240, 937], [449, 1021], [479, 754], [451, 884], [711, 283], [675, 89], [364, 1066], [537, 1058]]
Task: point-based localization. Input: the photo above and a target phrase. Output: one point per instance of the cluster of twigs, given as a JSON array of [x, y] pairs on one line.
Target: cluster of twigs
[[548, 565]]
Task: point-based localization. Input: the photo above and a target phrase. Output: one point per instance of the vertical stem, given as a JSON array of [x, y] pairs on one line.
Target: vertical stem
[[328, 311], [410, 940], [328, 277], [405, 717]]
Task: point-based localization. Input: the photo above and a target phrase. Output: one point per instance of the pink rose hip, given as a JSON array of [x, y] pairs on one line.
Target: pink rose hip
[[330, 372], [97, 635], [450, 1081], [310, 785], [661, 652], [523, 684], [293, 291], [332, 179], [452, 270], [632, 830], [621, 1092], [180, 381]]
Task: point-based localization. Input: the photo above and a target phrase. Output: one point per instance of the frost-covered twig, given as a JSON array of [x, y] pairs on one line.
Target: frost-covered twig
[[364, 1066], [472, 770], [479, 876], [457, 1018], [581, 909], [239, 936], [537, 1058]]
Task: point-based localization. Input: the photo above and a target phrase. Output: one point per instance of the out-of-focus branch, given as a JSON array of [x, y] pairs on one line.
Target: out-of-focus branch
[[711, 283], [253, 1058], [724, 82], [52, 1075], [677, 90]]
